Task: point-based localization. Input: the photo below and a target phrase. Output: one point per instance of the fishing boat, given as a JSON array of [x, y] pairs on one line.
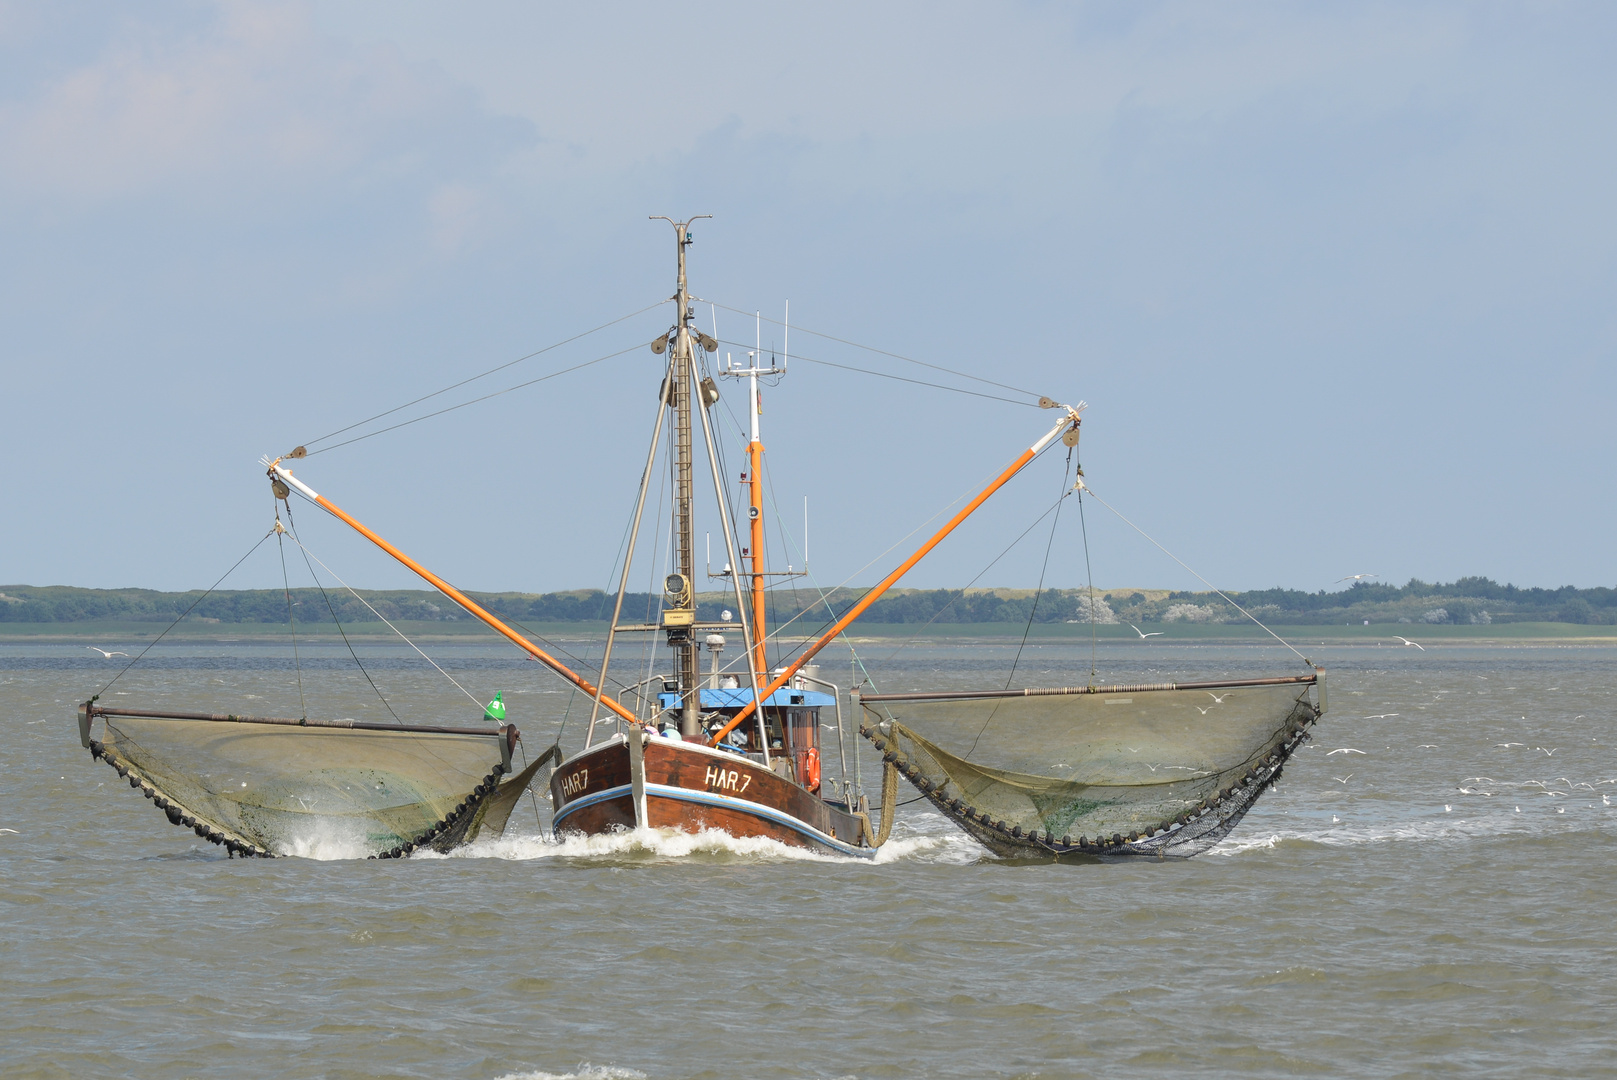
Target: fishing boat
[[701, 750], [1090, 770]]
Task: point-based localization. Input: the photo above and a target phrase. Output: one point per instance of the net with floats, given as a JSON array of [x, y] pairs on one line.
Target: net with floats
[[1166, 768], [269, 786]]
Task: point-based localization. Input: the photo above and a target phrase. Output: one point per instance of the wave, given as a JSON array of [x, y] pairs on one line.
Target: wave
[[910, 842], [585, 1071], [1445, 827]]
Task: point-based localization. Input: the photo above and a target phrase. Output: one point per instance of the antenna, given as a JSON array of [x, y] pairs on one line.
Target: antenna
[[805, 533], [786, 349]]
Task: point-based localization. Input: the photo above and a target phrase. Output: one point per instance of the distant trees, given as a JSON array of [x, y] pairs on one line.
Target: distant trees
[[1467, 601]]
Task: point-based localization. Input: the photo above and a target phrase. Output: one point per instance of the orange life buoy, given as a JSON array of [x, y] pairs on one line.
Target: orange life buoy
[[811, 769]]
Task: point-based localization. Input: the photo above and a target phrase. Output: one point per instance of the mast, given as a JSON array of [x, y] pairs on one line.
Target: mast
[[679, 589], [754, 479], [755, 511]]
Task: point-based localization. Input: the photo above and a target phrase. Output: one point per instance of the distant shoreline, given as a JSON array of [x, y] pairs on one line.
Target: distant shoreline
[[468, 632]]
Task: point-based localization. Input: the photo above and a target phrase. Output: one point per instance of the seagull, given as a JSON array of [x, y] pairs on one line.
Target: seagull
[[105, 653], [1143, 634], [1201, 710], [1354, 577], [1406, 641], [1547, 753], [1342, 779], [1508, 745], [1218, 699], [1427, 746], [1382, 716], [1344, 750]]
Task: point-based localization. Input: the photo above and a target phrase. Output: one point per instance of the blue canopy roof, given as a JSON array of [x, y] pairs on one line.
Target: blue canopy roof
[[734, 699]]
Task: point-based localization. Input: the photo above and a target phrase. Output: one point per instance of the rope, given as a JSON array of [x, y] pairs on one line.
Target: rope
[[1028, 629], [184, 613], [900, 378], [331, 608], [1197, 576], [473, 401], [286, 585], [1045, 566], [1089, 574], [882, 352], [390, 626], [890, 547], [474, 378]]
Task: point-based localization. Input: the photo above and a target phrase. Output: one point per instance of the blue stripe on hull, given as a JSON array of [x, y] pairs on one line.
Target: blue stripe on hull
[[709, 799]]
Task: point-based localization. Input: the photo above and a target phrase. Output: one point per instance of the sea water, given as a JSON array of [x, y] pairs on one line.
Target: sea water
[[1431, 890]]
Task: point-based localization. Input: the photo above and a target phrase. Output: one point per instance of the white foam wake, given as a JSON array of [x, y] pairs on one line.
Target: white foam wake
[[585, 1071], [909, 843]]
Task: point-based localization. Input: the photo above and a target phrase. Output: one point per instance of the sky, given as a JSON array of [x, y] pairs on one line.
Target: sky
[[1335, 280]]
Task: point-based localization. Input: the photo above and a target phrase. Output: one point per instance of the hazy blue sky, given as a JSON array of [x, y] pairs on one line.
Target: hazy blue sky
[[1336, 279]]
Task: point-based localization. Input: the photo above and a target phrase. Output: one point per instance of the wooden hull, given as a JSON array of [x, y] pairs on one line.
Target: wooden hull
[[664, 783]]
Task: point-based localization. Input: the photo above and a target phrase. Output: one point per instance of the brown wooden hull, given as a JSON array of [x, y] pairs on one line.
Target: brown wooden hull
[[692, 787]]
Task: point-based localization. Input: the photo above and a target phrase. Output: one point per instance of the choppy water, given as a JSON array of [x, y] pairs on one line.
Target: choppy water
[[1443, 903]]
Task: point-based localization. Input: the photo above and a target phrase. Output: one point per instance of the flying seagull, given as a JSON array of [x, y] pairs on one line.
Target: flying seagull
[[1218, 699], [1143, 634], [105, 653], [1344, 750], [1342, 779], [1354, 577], [1406, 641]]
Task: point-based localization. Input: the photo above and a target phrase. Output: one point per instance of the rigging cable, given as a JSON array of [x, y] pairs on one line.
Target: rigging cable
[[286, 585], [991, 564], [539, 637], [473, 401], [883, 352], [901, 378], [332, 608], [474, 378], [390, 626], [208, 592], [890, 547], [1037, 593], [1197, 576], [1028, 629], [1094, 612]]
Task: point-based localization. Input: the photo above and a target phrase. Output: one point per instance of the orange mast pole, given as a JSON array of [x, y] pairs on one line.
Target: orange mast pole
[[1068, 423], [285, 475], [755, 451]]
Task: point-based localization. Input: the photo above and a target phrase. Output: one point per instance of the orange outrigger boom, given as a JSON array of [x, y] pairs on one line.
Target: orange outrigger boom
[[279, 472], [1068, 423]]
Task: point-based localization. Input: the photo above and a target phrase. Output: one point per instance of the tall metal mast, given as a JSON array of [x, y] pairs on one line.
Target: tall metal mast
[[679, 592]]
